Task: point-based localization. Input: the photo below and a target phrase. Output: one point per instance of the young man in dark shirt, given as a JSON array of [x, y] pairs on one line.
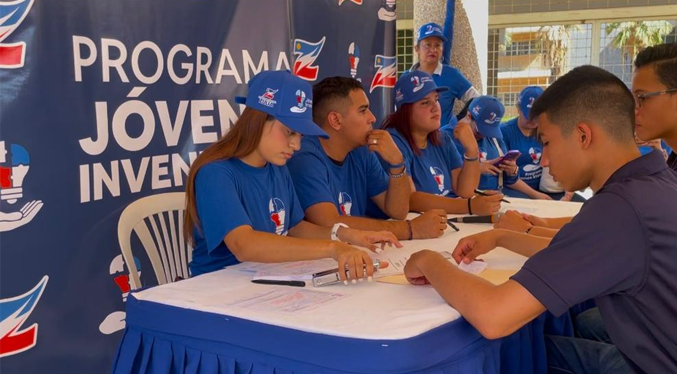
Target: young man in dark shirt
[[654, 85], [620, 249]]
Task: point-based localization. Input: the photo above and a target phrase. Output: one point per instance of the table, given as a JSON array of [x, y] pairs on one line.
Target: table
[[196, 325]]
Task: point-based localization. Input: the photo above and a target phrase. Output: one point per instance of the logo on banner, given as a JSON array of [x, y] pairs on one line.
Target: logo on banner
[[386, 75], [12, 55], [354, 57], [345, 203], [307, 53], [358, 2], [117, 269], [388, 11], [277, 215], [13, 314], [301, 102], [439, 177], [14, 166]]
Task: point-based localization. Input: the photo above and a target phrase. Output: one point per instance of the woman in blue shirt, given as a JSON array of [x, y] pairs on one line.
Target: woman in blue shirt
[[240, 200], [437, 171]]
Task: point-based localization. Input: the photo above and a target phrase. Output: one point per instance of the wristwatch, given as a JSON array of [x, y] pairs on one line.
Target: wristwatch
[[334, 231]]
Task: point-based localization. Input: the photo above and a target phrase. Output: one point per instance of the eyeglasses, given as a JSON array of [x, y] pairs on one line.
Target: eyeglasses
[[639, 99]]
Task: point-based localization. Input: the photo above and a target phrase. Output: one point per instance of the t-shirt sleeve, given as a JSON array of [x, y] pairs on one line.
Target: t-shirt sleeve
[[311, 179], [219, 206], [297, 212], [377, 178], [461, 83], [600, 252]]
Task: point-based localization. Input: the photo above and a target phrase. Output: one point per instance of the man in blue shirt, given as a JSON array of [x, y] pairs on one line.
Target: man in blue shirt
[[429, 44], [335, 178], [620, 249]]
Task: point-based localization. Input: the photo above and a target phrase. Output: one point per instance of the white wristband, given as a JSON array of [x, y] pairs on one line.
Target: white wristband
[[334, 230]]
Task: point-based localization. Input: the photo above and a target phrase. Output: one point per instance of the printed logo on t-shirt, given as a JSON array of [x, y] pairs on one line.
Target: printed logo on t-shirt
[[439, 177], [268, 98], [277, 215], [535, 155], [345, 203], [483, 155]]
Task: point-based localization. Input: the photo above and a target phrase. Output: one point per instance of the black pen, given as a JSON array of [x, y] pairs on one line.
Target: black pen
[[480, 192], [452, 225], [280, 282]]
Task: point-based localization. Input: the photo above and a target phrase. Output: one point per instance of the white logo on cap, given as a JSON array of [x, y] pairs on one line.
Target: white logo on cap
[[301, 102], [531, 102], [268, 98], [493, 118]]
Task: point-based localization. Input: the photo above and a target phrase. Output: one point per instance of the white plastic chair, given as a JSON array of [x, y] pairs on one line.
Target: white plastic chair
[[158, 222]]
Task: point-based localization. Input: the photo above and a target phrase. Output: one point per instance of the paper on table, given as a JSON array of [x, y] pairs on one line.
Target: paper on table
[[288, 300], [476, 267], [296, 267]]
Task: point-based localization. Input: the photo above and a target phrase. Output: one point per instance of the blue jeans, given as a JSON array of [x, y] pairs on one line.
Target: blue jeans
[[568, 355]]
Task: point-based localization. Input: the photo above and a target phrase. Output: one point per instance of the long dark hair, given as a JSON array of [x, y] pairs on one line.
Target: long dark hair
[[241, 140], [400, 120]]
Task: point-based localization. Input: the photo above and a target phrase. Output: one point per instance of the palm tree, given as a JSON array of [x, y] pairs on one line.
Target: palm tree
[[632, 37], [555, 44]]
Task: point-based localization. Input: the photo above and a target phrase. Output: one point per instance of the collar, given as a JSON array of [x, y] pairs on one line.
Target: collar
[[438, 69], [648, 164]]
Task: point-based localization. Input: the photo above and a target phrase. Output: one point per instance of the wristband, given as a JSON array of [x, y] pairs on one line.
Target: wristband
[[411, 232], [470, 159], [334, 231]]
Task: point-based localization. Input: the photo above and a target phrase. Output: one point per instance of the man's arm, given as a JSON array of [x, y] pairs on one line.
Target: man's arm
[[495, 311]]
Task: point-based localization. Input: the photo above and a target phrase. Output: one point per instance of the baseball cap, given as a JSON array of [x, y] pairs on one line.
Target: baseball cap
[[414, 86], [286, 97], [527, 97], [487, 112], [429, 30]]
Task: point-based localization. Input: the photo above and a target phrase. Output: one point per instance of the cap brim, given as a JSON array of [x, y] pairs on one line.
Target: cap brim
[[303, 126], [489, 131], [444, 38]]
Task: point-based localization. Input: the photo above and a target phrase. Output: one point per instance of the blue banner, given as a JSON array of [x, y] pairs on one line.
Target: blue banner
[[105, 102]]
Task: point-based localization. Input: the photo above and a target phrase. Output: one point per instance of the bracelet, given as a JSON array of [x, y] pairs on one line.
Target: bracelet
[[334, 231], [469, 205], [398, 175], [529, 230], [470, 159], [411, 232]]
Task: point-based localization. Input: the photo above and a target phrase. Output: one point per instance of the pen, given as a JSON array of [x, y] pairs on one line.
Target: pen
[[280, 282], [452, 225], [480, 192]]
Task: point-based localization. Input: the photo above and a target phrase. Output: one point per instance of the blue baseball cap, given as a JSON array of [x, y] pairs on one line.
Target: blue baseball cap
[[487, 112], [526, 98], [414, 86], [428, 30], [286, 97]]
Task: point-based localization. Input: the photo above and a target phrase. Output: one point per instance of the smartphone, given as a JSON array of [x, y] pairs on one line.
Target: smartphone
[[328, 277], [512, 155]]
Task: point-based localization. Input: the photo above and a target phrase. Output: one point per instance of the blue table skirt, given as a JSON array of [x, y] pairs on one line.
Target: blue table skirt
[[165, 339]]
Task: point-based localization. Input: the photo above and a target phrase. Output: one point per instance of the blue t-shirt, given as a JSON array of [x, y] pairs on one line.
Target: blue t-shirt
[[645, 149], [348, 186], [529, 161], [488, 151], [431, 170], [230, 194], [458, 86]]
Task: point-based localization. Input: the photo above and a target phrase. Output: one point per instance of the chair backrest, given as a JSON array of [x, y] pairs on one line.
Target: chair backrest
[[158, 222]]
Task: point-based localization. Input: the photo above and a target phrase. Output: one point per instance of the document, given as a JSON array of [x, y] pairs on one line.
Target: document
[[288, 300]]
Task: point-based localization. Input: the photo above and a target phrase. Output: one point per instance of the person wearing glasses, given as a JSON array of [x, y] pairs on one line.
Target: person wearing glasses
[[654, 86], [429, 47]]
